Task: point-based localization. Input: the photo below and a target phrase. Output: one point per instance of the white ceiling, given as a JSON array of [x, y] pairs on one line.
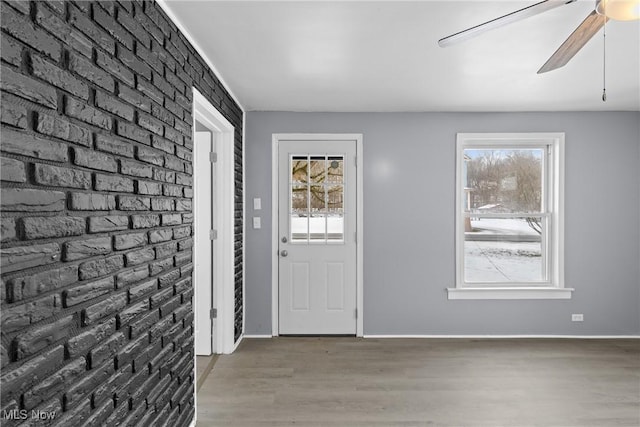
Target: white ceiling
[[383, 56]]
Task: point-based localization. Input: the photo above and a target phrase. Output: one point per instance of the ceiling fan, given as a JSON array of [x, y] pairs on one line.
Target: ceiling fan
[[621, 10]]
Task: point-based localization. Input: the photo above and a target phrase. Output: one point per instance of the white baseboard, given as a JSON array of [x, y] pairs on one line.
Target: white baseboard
[[237, 343], [582, 337]]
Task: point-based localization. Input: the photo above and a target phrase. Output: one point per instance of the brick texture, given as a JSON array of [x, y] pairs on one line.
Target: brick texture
[[96, 212]]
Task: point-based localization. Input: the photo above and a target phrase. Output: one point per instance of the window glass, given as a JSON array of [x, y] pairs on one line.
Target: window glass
[[505, 180], [504, 204], [503, 250], [501, 245]]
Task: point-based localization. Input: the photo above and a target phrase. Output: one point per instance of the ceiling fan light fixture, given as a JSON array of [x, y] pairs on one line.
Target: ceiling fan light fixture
[[620, 10]]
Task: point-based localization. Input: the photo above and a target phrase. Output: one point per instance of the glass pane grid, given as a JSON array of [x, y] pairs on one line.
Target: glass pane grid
[[316, 199]]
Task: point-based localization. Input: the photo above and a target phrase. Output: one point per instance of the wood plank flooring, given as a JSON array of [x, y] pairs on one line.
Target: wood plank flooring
[[204, 364], [424, 382]]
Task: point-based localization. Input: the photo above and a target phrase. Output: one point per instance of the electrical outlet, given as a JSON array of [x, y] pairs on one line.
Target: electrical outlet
[[256, 222], [577, 317]]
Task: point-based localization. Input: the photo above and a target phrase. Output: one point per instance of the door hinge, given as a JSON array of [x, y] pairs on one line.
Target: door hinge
[[213, 157], [356, 313], [355, 161], [213, 234], [355, 236], [214, 313]]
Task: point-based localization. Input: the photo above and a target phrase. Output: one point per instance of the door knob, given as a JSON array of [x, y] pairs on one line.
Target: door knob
[[284, 253]]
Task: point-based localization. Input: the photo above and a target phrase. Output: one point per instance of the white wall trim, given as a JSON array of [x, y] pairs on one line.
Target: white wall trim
[[203, 256], [359, 236], [276, 137], [224, 297], [581, 337], [167, 9], [237, 344], [275, 325], [510, 293], [244, 225]]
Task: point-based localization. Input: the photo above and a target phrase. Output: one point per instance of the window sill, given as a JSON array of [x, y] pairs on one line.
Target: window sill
[[510, 293]]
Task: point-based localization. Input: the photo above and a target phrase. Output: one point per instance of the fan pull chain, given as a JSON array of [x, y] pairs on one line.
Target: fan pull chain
[[604, 59]]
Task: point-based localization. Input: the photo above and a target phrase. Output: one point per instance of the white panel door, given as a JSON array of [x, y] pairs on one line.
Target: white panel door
[[203, 189], [317, 240]]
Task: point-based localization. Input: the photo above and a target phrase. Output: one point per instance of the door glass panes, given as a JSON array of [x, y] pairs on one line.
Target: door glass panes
[[335, 227], [335, 167], [299, 198], [335, 202], [316, 199], [299, 169], [335, 212], [318, 170], [299, 211]]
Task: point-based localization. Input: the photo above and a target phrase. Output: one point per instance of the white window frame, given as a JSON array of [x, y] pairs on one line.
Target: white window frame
[[553, 210]]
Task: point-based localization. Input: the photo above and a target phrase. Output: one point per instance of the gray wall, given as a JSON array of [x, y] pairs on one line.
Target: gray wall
[[409, 262]]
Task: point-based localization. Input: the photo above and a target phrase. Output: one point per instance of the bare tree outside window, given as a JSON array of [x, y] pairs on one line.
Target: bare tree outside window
[[319, 175], [508, 181], [317, 198]]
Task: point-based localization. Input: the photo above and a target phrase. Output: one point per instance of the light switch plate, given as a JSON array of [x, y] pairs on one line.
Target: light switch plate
[[257, 203], [256, 222]]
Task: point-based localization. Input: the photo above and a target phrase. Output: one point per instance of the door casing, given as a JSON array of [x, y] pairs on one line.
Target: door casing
[[205, 259], [224, 277], [276, 138]]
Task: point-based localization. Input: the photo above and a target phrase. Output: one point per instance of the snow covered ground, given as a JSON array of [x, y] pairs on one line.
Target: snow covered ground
[[316, 227], [502, 258], [497, 257], [502, 226]]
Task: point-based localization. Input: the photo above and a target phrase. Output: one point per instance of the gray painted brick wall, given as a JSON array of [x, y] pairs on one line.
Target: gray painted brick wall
[[96, 221]]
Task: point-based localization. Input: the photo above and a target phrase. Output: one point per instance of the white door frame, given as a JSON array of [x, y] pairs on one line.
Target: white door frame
[[224, 250], [276, 138], [204, 259]]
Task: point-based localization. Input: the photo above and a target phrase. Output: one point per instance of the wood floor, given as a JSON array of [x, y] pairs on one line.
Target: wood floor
[[424, 382], [204, 364]]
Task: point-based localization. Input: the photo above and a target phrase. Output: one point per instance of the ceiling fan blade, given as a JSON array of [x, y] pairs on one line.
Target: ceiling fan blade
[[575, 42], [518, 15]]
